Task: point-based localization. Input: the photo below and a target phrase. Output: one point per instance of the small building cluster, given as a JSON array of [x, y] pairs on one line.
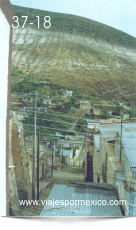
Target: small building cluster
[[112, 160]]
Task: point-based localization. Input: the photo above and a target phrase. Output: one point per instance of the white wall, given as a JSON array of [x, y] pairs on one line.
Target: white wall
[[4, 55]]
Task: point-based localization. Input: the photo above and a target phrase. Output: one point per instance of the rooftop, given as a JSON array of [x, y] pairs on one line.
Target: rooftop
[[80, 197], [129, 144], [109, 130], [58, 135], [97, 142]]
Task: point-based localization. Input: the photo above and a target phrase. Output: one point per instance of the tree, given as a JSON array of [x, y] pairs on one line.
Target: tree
[[105, 113], [72, 100], [132, 112], [59, 107], [117, 113], [40, 102]]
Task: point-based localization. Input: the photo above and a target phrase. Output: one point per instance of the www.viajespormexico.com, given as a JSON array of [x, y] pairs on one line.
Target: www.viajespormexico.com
[[71, 202]]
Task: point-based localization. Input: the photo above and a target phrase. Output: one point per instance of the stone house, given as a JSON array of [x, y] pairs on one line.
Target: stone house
[[97, 109], [16, 100], [125, 116], [85, 105]]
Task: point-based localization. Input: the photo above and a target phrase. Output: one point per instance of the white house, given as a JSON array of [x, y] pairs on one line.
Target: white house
[[6, 15], [67, 93]]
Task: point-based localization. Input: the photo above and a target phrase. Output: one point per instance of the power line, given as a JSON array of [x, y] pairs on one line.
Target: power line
[[53, 114], [57, 121], [91, 173], [64, 130], [79, 138], [86, 141], [97, 173]]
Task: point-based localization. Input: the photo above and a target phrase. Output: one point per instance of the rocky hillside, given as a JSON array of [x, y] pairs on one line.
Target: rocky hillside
[[75, 51]]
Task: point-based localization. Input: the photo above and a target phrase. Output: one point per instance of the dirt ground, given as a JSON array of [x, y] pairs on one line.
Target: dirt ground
[[66, 175]]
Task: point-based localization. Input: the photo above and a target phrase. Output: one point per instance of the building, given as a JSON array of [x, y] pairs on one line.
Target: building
[[15, 100], [97, 109], [66, 156], [96, 158], [75, 141], [114, 162], [125, 181], [125, 116], [41, 82], [67, 93], [76, 200], [85, 105], [92, 124], [6, 20]]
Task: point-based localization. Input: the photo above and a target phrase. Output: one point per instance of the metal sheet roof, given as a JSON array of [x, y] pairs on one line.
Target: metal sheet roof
[[129, 144], [58, 135], [109, 130], [97, 142], [77, 196]]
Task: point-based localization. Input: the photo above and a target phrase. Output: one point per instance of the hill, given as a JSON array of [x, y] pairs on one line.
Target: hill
[[75, 51]]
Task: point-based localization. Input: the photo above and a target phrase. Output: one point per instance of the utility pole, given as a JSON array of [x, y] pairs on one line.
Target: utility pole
[[53, 147], [34, 141], [121, 138], [62, 157], [38, 165], [79, 160], [34, 152], [52, 163]]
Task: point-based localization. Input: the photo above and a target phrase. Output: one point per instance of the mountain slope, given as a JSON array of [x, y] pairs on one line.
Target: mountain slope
[[75, 51]]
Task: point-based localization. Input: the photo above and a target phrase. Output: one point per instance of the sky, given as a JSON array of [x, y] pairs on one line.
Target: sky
[[120, 14]]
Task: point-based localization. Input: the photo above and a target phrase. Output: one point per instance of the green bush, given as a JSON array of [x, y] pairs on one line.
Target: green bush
[[117, 113]]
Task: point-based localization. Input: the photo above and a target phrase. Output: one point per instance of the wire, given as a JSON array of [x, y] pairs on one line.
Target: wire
[[64, 130], [84, 138], [95, 172], [53, 114], [57, 121]]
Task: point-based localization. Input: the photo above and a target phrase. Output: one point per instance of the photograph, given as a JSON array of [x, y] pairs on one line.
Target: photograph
[[68, 112]]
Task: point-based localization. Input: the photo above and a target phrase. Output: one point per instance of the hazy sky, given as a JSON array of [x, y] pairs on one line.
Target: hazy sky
[[120, 14]]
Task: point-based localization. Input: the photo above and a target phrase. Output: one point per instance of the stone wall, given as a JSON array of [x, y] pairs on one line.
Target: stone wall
[[20, 160], [13, 193]]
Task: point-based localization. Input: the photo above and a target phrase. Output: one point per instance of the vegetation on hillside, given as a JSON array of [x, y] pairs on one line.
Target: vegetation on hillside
[[75, 25], [47, 123]]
